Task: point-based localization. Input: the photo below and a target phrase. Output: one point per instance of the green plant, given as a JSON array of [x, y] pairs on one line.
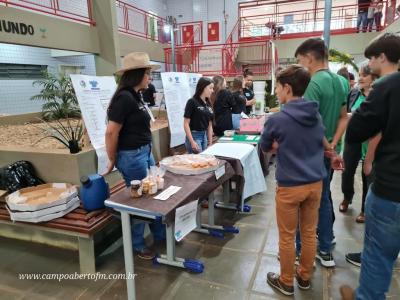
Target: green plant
[[67, 134], [59, 97], [340, 57], [271, 101]]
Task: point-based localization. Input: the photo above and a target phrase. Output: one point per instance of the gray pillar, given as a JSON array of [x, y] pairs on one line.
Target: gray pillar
[[105, 15], [327, 22]]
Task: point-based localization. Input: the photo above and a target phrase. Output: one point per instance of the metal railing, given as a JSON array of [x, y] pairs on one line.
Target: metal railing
[[74, 10], [287, 21], [137, 22]]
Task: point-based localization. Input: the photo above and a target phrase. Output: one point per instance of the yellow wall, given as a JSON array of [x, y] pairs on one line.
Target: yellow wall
[[67, 35], [60, 34], [353, 44]]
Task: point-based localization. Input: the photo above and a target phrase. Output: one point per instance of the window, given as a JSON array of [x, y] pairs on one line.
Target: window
[[21, 71]]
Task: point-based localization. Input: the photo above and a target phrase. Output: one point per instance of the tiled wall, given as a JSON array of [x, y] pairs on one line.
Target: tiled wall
[[15, 94]]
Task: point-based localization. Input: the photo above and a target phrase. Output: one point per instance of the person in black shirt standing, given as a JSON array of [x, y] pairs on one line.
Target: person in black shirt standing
[[223, 103], [128, 135], [239, 101], [149, 94], [378, 120], [198, 117], [248, 90]]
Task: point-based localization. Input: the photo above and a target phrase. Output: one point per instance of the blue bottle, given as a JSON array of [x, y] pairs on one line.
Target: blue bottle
[[94, 192]]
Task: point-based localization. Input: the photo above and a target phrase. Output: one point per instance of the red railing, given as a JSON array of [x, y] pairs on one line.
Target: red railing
[[77, 10], [137, 22], [285, 20], [212, 60]]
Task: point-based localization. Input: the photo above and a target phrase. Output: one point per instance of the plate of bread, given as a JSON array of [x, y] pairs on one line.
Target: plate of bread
[[190, 164]]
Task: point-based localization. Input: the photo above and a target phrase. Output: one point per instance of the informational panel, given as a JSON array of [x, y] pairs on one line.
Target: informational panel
[[213, 31], [94, 94], [178, 89]]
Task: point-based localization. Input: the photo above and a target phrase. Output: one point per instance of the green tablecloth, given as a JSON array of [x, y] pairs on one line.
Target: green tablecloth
[[245, 138]]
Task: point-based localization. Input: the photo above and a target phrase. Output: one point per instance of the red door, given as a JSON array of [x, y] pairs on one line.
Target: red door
[[187, 34]]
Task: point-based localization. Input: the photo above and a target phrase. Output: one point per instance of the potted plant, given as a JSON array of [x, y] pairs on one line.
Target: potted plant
[[59, 97], [68, 134]]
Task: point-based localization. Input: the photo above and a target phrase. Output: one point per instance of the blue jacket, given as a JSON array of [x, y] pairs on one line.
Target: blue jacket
[[299, 132]]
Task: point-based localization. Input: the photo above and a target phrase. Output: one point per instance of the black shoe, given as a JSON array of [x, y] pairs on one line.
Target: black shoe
[[354, 258], [326, 259], [302, 284], [274, 281]]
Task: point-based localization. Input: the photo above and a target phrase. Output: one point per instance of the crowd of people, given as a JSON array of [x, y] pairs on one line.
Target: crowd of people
[[318, 107]]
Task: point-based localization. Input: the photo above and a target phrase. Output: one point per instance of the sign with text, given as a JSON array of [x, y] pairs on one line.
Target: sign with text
[[178, 89], [185, 220], [94, 94]]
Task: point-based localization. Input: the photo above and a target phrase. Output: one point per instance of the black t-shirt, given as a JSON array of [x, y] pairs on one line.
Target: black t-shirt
[[199, 113], [239, 105], [223, 112], [128, 109], [249, 94], [148, 95]]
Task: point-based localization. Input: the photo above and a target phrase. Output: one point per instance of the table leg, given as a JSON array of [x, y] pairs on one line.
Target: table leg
[[128, 254], [170, 258], [226, 191], [211, 228]]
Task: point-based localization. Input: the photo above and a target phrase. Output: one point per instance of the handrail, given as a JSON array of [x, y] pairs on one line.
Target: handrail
[[54, 9], [304, 21]]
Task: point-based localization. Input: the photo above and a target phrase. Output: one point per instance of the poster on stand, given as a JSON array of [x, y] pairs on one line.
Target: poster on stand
[[94, 94], [178, 89]]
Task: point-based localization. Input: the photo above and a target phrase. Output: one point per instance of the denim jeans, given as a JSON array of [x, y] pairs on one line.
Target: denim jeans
[[362, 20], [133, 165], [381, 247], [325, 220], [200, 137], [236, 121]]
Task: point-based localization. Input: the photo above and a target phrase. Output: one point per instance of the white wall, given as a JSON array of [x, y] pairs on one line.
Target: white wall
[[157, 6], [206, 11], [15, 94]]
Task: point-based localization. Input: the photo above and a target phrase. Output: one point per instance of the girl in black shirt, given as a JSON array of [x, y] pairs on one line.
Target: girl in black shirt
[[198, 117], [223, 103], [128, 135], [239, 101], [248, 90]]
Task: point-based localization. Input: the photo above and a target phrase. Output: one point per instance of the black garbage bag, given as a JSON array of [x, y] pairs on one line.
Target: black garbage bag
[[20, 174]]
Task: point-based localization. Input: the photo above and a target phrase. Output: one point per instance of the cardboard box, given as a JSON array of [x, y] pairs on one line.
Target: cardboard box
[[252, 125]]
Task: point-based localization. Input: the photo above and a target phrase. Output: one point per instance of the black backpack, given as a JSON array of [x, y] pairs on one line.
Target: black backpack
[[18, 175]]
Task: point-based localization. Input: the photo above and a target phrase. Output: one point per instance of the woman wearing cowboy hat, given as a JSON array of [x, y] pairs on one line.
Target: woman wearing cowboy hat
[[128, 135]]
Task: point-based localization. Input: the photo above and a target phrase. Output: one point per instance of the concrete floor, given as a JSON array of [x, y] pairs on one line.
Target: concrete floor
[[235, 267]]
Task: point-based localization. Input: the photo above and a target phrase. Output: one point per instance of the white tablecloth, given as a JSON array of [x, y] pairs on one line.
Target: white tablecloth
[[254, 181]]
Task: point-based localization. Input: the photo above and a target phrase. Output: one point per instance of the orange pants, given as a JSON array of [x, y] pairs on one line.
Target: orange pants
[[291, 203]]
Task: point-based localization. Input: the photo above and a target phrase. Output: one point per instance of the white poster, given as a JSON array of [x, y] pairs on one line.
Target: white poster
[[94, 94], [185, 220], [178, 89]]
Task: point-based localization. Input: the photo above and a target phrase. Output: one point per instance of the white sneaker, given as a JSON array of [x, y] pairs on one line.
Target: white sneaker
[[326, 259]]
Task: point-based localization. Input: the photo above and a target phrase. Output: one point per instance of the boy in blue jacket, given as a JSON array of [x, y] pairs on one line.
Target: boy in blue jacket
[[297, 133]]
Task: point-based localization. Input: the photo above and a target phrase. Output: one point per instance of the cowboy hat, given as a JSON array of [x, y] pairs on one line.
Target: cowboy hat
[[136, 60]]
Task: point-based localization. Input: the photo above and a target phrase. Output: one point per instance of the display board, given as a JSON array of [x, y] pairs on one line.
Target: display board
[[94, 94], [178, 89]]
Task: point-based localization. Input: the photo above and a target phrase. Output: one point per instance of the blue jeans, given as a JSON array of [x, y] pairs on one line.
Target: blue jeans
[[200, 137], [325, 220], [381, 247], [236, 121], [362, 20], [133, 165]]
